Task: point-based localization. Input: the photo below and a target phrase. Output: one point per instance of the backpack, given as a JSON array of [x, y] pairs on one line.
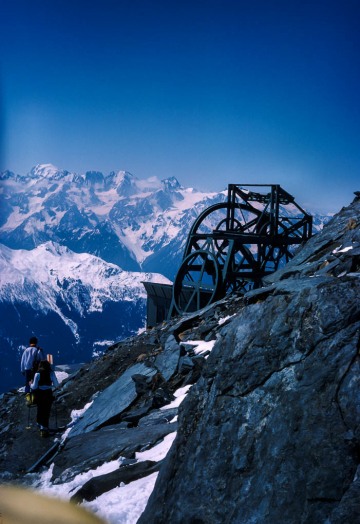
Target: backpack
[[36, 363]]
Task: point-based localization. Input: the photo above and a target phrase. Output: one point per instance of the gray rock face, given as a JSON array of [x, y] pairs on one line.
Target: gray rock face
[[271, 431], [167, 362], [104, 408]]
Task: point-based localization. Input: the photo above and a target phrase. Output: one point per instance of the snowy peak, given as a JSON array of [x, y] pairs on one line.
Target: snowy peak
[[77, 303], [47, 171], [119, 217], [7, 175], [52, 278], [134, 223], [171, 184], [126, 184]]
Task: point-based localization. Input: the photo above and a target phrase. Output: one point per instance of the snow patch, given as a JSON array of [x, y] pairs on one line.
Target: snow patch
[[180, 395]]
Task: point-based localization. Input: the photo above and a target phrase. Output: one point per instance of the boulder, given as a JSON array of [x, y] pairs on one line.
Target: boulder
[[167, 362], [161, 397], [185, 365], [96, 486], [112, 401]]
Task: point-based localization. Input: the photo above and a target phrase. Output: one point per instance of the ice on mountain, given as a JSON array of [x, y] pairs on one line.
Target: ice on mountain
[[171, 183], [47, 171]]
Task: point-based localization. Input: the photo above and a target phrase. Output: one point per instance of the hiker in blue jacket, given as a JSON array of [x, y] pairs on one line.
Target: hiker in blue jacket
[[44, 380], [29, 361]]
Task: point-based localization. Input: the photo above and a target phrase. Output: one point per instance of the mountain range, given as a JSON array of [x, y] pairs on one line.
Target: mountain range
[[75, 249], [136, 224], [140, 225]]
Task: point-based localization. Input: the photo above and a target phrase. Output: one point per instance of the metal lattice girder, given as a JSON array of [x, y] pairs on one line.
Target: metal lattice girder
[[255, 233]]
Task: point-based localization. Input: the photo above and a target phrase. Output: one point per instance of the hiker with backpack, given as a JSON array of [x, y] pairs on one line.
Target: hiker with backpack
[[44, 380], [30, 361]]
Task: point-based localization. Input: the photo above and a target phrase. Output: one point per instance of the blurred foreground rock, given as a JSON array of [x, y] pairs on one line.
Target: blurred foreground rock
[[21, 506]]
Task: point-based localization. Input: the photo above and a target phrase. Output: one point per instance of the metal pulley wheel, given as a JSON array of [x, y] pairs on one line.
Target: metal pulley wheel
[[197, 282]]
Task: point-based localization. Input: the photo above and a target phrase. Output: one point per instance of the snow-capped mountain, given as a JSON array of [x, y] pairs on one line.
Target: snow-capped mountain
[[136, 224], [69, 240], [78, 303]]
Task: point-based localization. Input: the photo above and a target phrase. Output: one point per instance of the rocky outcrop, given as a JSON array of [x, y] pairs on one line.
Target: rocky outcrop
[[271, 431], [90, 450], [128, 473], [104, 408], [121, 401]]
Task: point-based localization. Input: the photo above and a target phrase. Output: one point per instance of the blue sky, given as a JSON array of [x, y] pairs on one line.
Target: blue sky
[[212, 92]]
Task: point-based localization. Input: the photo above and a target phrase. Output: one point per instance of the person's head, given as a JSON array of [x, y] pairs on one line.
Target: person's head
[[33, 341], [44, 366]]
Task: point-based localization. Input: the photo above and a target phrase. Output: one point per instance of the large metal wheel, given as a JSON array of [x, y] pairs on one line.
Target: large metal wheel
[[222, 244], [217, 217], [197, 282]]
